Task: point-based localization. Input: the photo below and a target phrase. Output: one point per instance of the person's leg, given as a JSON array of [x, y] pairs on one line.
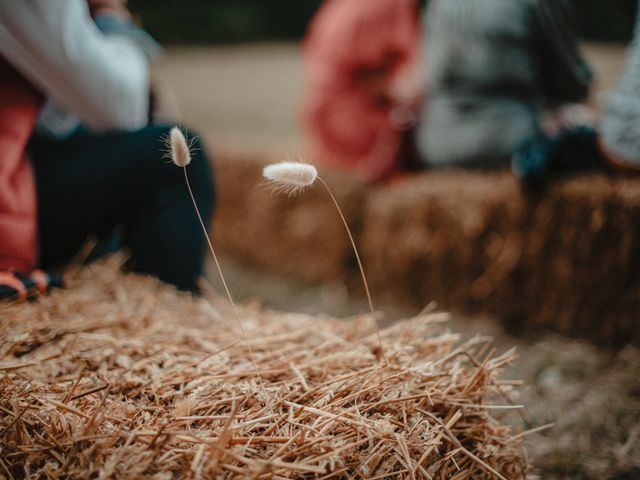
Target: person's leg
[[90, 184]]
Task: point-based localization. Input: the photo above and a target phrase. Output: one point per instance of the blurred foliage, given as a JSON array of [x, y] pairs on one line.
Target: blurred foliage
[[607, 20], [207, 21]]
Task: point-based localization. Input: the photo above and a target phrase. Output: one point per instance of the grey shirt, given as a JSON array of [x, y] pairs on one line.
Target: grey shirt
[[621, 123], [492, 66]]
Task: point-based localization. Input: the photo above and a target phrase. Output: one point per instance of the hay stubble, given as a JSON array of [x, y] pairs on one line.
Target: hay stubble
[[121, 377]]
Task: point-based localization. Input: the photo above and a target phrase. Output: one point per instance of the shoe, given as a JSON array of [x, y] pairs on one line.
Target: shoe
[[19, 286], [11, 287], [570, 152], [531, 163]]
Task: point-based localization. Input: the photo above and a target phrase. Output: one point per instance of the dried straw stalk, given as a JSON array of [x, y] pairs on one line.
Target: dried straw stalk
[[119, 376]]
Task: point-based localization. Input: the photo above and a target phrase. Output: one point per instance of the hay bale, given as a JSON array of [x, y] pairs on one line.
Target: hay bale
[[581, 262], [568, 261], [433, 236], [301, 235], [120, 376]]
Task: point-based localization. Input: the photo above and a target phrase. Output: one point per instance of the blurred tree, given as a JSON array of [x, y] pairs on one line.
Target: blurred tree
[[608, 20], [207, 21]]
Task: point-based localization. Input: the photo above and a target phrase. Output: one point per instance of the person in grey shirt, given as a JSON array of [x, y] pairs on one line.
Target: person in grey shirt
[[498, 70], [621, 123], [612, 147]]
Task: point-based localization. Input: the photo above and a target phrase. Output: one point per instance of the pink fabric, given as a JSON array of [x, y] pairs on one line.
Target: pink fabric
[[344, 124], [19, 106]]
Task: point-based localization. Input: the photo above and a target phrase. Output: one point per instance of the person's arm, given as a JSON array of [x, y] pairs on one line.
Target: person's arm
[[56, 46], [564, 74]]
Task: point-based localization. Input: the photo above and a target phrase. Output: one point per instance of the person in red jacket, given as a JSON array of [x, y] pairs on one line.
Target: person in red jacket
[[361, 84], [19, 106]]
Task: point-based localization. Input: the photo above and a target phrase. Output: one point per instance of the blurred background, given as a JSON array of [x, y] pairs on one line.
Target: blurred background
[[236, 74], [234, 21]]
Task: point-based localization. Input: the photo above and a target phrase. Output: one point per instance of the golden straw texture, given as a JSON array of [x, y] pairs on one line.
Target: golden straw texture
[[122, 376]]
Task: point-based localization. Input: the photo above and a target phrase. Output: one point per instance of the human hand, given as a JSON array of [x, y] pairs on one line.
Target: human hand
[[113, 7], [567, 117]]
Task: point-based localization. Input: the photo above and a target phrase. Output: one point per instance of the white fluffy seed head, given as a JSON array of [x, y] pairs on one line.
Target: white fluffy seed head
[[290, 177], [179, 148]]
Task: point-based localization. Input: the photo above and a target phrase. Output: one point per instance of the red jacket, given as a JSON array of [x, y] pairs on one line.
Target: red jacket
[[344, 124], [19, 106]]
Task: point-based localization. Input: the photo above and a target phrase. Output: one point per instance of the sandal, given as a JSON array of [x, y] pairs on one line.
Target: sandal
[[16, 285], [43, 281], [12, 287]]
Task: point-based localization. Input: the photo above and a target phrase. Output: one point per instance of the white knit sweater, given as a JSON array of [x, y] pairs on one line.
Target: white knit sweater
[[56, 45]]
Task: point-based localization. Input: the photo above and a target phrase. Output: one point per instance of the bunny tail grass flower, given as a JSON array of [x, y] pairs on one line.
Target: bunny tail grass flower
[[178, 148], [291, 178], [180, 154]]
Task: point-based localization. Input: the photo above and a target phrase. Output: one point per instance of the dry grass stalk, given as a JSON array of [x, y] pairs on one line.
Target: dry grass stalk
[[121, 376], [293, 177], [180, 154]]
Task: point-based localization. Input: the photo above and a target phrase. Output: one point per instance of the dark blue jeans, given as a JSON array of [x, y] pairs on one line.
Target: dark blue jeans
[[572, 151], [93, 185]]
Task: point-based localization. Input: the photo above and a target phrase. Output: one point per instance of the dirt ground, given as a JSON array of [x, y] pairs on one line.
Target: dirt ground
[[237, 95], [246, 97]]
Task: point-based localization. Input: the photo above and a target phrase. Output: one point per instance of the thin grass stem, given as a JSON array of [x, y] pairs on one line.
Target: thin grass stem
[[224, 283], [364, 277]]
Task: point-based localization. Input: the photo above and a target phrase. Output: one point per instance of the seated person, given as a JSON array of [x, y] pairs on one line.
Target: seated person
[[113, 19], [87, 185], [620, 139], [616, 148], [498, 71], [360, 92]]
